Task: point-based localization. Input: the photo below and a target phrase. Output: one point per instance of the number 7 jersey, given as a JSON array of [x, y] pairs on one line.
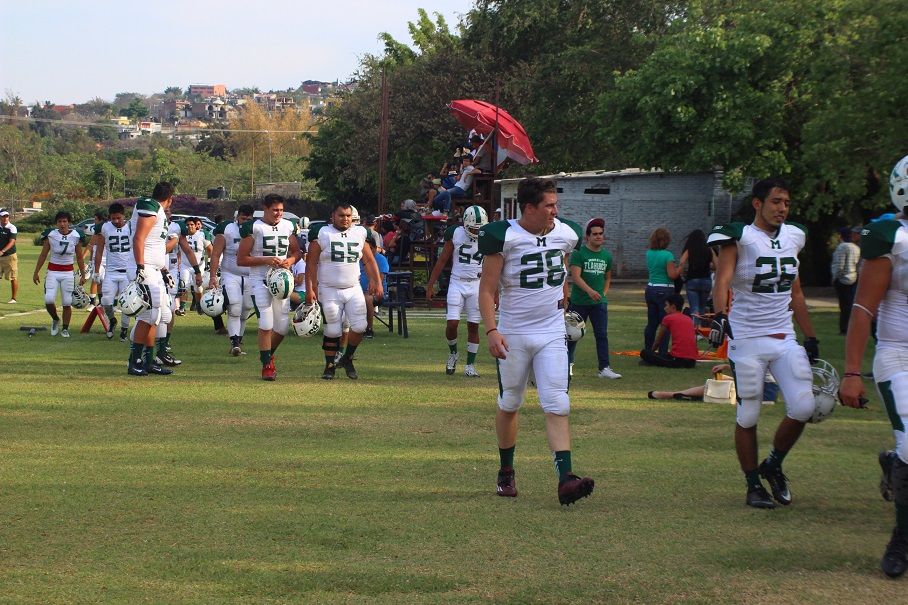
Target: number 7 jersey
[[761, 284], [532, 278]]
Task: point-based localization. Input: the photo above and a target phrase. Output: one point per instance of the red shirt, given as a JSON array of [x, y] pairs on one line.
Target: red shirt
[[684, 339]]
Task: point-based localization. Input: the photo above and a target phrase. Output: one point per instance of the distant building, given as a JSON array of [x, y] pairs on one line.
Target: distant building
[[207, 90], [633, 202], [291, 189], [149, 127]]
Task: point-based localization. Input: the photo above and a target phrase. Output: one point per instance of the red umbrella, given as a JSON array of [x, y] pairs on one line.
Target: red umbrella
[[485, 117]]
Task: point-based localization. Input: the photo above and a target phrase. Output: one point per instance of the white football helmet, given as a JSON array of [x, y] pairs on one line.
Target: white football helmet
[[354, 215], [574, 326], [134, 299], [212, 302], [898, 184], [307, 320], [80, 298], [280, 282], [825, 390], [474, 218]]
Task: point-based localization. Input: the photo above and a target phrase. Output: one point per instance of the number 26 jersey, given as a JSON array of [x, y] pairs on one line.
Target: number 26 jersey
[[761, 285]]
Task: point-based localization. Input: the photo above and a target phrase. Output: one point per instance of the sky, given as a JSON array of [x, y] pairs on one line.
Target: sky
[[70, 51]]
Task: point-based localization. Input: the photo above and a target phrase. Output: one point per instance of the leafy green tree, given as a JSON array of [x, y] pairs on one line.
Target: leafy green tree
[[135, 110]]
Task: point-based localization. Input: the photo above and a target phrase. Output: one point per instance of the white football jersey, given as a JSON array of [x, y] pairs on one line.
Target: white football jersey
[[761, 285], [889, 239], [197, 245], [117, 253], [155, 251], [63, 247], [230, 230], [466, 263], [268, 240], [532, 292], [338, 264]]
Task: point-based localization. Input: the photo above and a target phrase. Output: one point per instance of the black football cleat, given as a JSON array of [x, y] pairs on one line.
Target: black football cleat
[[777, 481], [506, 486], [136, 369], [159, 370], [328, 374], [574, 488], [887, 459], [123, 334], [895, 559], [347, 364], [758, 497]]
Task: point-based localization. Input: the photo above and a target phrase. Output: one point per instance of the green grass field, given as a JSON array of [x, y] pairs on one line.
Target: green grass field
[[211, 486]]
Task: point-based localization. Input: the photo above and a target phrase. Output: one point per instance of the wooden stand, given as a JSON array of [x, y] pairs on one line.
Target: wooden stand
[[98, 312]]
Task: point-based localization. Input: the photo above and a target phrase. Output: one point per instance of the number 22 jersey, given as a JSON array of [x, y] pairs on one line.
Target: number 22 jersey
[[532, 279], [761, 285]]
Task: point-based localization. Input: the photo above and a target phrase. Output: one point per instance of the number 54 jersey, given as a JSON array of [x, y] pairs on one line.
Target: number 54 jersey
[[533, 274], [761, 285]]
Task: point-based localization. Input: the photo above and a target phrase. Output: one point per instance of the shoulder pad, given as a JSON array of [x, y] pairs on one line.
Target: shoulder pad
[[797, 226], [877, 239], [313, 233], [147, 205], [46, 232], [491, 237], [725, 234], [246, 228], [220, 227], [576, 229], [449, 233]]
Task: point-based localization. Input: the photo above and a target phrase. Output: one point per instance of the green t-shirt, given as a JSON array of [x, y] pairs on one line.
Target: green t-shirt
[[594, 266], [655, 264]]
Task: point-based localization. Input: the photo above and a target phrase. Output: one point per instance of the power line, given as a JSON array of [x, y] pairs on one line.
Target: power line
[[175, 132]]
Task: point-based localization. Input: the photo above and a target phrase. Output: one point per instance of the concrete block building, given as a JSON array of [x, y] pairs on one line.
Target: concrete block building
[[633, 202]]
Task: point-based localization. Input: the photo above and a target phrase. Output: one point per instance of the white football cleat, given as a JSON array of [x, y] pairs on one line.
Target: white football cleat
[[64, 333], [451, 366], [607, 372], [470, 371], [54, 328]]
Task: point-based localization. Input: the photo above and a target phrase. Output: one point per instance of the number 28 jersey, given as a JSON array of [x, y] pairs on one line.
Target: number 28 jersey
[[268, 240], [532, 278], [761, 284], [338, 263]]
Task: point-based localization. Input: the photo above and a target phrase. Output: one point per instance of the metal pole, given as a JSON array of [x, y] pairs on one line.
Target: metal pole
[[383, 145]]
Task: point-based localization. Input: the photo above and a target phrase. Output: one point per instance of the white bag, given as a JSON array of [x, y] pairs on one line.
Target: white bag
[[719, 390]]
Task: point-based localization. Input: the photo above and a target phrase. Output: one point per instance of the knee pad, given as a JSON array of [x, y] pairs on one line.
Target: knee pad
[[281, 322], [900, 482], [234, 309], [555, 402], [330, 344], [512, 385], [359, 324], [50, 296], [749, 377], [795, 379], [748, 413], [166, 315]]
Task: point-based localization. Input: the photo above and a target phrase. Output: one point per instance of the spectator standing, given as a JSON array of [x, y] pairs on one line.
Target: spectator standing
[[700, 262], [844, 271], [591, 274], [680, 328], [9, 261], [663, 271]]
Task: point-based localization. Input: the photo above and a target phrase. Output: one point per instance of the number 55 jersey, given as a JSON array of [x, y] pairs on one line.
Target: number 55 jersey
[[761, 285], [533, 275]]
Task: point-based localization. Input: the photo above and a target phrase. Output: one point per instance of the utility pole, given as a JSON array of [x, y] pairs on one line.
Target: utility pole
[[383, 144]]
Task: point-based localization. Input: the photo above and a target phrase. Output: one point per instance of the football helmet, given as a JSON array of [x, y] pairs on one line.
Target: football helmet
[[825, 390], [80, 298], [307, 320], [134, 299], [574, 326], [354, 215], [280, 282], [212, 302], [474, 217], [898, 184]]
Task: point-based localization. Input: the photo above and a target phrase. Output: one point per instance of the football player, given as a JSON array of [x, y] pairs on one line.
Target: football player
[[463, 288], [759, 263], [113, 251], [195, 237], [234, 279], [268, 242], [527, 257], [149, 246], [883, 294], [332, 271], [65, 246], [177, 245]]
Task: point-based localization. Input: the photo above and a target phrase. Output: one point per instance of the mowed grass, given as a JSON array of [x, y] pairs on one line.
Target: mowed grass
[[211, 486]]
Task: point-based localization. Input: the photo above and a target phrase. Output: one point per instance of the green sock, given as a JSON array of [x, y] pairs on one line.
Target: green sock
[[775, 458], [901, 517], [562, 461], [162, 346], [349, 351], [265, 356], [507, 456], [471, 357], [753, 479], [135, 352], [148, 356], [452, 346]]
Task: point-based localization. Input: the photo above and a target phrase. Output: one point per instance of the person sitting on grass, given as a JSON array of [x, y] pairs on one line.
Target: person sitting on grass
[[770, 389], [680, 328]]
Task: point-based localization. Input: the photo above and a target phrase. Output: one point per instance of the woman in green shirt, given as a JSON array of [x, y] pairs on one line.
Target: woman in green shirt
[[591, 274], [663, 271]]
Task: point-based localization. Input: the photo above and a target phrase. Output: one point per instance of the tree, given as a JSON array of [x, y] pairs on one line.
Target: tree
[[19, 154], [173, 92], [106, 178], [135, 110]]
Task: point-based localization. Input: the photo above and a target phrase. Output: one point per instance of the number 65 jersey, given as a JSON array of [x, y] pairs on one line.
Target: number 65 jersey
[[761, 285], [533, 274]]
